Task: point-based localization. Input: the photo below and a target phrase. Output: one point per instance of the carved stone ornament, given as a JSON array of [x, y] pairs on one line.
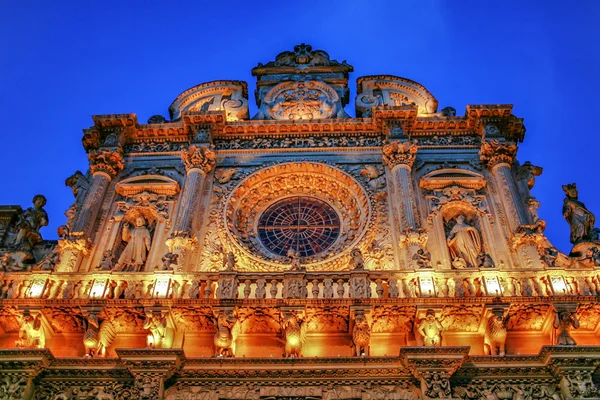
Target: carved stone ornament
[[446, 198], [301, 100], [495, 152], [228, 328], [106, 160], [580, 219], [199, 157], [400, 153], [388, 90]]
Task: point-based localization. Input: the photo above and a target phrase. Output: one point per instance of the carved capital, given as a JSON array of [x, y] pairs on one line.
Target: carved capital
[[493, 153], [412, 237], [199, 157], [396, 153], [106, 160], [75, 243]]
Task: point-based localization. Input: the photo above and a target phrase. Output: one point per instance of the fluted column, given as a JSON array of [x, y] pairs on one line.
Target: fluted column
[[498, 157], [399, 157], [105, 164], [198, 161]]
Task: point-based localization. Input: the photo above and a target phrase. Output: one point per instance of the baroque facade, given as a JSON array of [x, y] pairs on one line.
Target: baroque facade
[[301, 254]]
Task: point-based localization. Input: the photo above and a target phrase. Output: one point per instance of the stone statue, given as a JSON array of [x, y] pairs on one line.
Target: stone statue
[[294, 260], [107, 263], [29, 224], [484, 260], [564, 320], [156, 323], [134, 255], [169, 259], [31, 334], [361, 336], [436, 386], [464, 242], [431, 329], [357, 262], [494, 339], [578, 216], [422, 258], [295, 335], [229, 261]]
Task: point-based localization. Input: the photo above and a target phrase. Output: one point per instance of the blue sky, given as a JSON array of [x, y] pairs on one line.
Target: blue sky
[[65, 61]]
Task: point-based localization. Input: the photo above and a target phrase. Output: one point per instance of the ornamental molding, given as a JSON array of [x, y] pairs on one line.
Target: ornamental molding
[[495, 152], [199, 157], [107, 161]]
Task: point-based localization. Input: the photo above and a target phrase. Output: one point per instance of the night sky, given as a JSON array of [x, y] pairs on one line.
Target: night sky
[[62, 62]]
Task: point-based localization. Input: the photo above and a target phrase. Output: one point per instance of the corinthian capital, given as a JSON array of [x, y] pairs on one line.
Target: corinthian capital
[[396, 153], [494, 152], [200, 157], [107, 161]]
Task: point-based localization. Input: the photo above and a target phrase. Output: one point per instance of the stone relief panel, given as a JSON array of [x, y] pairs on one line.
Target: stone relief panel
[[527, 317], [303, 142], [462, 318], [393, 319], [259, 320], [327, 319], [194, 319]]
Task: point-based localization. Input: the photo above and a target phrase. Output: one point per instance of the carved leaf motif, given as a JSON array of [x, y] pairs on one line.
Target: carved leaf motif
[[465, 318], [334, 319], [527, 316], [393, 319], [197, 319]]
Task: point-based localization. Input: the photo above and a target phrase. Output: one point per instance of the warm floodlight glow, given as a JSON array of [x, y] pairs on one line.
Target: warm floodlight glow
[[161, 287], [427, 287], [558, 285], [492, 286], [37, 288], [98, 288]]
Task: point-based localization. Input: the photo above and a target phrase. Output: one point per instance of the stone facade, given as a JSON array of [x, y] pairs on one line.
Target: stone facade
[[301, 254]]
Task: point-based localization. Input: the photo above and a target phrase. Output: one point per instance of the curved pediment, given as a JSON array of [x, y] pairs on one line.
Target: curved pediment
[[229, 96], [389, 90], [442, 178], [158, 184]]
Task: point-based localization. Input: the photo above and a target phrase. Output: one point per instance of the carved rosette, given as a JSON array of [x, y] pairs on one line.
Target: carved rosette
[[198, 157], [107, 161], [494, 152], [396, 154]]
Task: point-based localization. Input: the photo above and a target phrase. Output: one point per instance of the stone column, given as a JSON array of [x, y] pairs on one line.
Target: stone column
[[105, 164], [498, 158], [574, 367], [198, 161]]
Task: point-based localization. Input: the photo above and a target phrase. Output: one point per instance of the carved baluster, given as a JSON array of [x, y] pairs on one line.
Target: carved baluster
[[315, 288], [247, 288], [273, 290], [379, 288], [208, 289], [340, 288]]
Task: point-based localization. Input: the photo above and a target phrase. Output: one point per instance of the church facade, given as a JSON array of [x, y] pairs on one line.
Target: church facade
[[301, 254]]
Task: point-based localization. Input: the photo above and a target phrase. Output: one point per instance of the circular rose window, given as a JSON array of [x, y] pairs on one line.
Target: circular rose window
[[302, 223]]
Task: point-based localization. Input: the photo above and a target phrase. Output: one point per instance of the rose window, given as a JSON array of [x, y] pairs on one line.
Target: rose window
[[302, 223]]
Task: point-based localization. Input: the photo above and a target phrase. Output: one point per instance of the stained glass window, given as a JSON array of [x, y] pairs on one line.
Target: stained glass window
[[303, 223]]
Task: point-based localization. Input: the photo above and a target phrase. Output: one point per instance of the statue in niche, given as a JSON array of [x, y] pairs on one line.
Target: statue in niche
[[464, 242], [422, 258], [431, 329], [564, 320], [578, 216], [138, 241], [29, 224], [31, 333]]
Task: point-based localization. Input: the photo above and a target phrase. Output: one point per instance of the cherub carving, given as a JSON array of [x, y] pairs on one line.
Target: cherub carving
[[431, 329]]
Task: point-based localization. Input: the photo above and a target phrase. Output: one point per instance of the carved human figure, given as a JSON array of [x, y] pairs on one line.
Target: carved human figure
[[580, 219], [168, 260], [436, 386], [107, 262], [49, 261], [564, 321], [156, 324], [464, 242], [229, 261], [294, 257], [361, 336], [484, 260], [422, 258], [31, 334], [357, 261], [29, 224], [138, 241], [431, 329]]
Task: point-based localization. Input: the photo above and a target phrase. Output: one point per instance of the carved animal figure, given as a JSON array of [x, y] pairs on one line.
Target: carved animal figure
[[295, 335], [361, 336], [98, 336], [494, 340], [227, 329]]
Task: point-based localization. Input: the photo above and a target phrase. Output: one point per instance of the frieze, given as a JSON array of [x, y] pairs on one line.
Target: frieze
[[304, 142]]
